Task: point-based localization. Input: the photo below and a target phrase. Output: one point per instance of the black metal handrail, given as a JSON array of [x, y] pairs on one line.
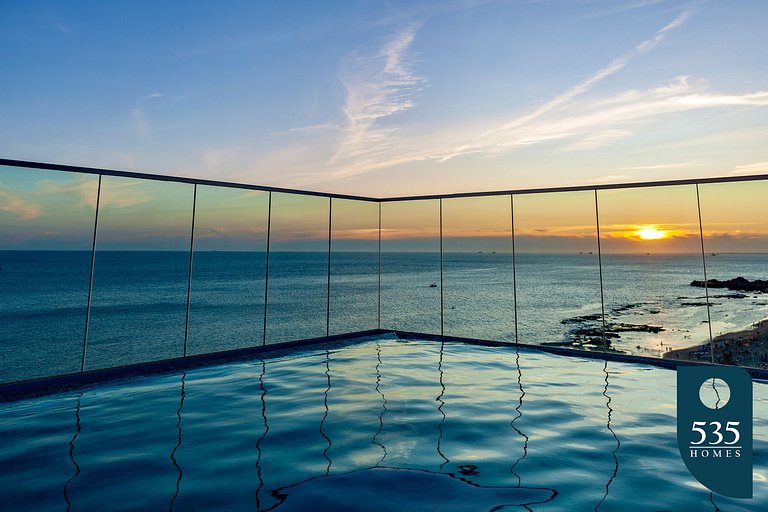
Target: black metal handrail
[[230, 184]]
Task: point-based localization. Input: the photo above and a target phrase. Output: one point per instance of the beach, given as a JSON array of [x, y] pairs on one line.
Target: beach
[[748, 347]]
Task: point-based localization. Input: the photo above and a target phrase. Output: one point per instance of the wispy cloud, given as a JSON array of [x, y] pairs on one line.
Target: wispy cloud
[[19, 207], [249, 233], [124, 194], [752, 168], [604, 179], [139, 121], [61, 27], [377, 86], [311, 129], [80, 193], [620, 7], [382, 84], [598, 139], [580, 88], [578, 123], [670, 165], [85, 188]]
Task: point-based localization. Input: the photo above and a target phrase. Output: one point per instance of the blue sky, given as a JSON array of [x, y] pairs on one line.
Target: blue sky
[[384, 98]]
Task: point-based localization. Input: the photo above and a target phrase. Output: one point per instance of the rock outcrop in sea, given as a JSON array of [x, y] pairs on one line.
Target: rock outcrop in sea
[[587, 332], [738, 284]]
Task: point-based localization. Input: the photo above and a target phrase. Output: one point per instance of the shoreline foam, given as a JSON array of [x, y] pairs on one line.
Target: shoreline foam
[[747, 347]]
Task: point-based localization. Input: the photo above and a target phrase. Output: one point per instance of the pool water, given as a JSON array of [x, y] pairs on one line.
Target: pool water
[[380, 424]]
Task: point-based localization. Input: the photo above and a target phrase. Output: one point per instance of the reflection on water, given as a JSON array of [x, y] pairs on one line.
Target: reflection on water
[[325, 416], [263, 401], [712, 501], [519, 412], [440, 408], [618, 442], [383, 407], [78, 429], [374, 410], [178, 444]]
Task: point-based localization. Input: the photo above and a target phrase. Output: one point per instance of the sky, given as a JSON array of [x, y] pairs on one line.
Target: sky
[[384, 98], [45, 210]]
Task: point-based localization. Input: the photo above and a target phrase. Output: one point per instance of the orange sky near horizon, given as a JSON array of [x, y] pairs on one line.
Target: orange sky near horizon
[[38, 206]]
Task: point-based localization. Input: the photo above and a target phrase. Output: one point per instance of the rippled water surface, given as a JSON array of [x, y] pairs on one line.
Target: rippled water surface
[[379, 425]]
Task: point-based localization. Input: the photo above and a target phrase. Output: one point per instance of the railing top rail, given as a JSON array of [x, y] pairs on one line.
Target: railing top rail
[[177, 179], [577, 188], [200, 181]]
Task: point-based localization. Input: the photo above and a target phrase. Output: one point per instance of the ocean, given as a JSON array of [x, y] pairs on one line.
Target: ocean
[[139, 301]]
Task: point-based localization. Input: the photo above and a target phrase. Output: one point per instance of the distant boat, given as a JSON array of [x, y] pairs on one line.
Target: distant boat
[[433, 285]]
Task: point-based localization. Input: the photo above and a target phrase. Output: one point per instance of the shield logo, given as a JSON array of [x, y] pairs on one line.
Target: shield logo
[[714, 427]]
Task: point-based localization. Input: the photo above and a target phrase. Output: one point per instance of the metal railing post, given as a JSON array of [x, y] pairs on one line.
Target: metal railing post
[[378, 315], [442, 287], [514, 262], [266, 268], [90, 278], [706, 284], [328, 289], [189, 275], [600, 269]]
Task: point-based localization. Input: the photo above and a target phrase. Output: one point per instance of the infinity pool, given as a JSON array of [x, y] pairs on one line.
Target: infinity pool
[[380, 424]]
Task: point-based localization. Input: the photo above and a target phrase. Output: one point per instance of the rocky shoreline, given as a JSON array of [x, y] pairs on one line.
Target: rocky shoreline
[[748, 348], [587, 331], [744, 348]]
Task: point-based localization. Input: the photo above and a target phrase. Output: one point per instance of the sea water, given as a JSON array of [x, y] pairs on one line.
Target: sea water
[[139, 301]]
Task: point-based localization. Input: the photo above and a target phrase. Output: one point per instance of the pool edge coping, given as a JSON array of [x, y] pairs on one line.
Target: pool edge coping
[[44, 386]]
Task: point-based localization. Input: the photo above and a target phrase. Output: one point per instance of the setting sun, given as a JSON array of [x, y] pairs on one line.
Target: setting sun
[[650, 233]]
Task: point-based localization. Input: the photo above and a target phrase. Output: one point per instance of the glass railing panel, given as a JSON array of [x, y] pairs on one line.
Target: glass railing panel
[[228, 270], [297, 297], [410, 266], [354, 266], [735, 228], [558, 273], [46, 241], [478, 279], [651, 252], [141, 272]]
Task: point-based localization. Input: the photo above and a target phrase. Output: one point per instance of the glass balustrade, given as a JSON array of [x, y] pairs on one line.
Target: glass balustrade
[[179, 269], [140, 272], [410, 266], [46, 242]]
